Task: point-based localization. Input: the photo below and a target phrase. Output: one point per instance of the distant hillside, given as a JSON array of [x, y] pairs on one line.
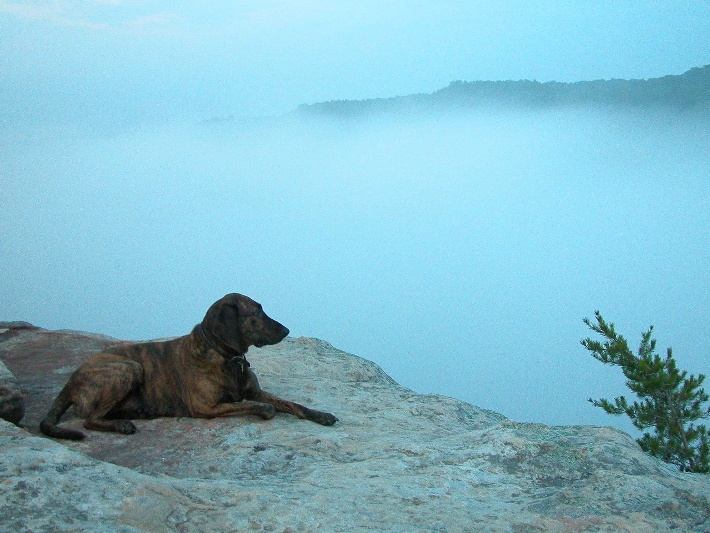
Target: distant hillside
[[684, 92]]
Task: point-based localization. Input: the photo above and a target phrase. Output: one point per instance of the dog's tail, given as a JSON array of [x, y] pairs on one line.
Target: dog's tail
[[49, 424]]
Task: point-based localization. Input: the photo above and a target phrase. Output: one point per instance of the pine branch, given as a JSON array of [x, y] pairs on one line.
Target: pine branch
[[669, 400]]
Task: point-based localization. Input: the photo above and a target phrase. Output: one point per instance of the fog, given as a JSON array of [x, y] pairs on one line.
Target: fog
[[460, 253]]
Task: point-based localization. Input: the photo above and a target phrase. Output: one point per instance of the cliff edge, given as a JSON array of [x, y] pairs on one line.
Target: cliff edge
[[396, 460]]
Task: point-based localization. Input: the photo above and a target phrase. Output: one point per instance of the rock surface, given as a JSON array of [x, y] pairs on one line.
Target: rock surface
[[12, 402], [396, 460]]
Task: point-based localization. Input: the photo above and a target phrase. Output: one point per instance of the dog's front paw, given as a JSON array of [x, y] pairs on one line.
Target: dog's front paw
[[126, 427], [266, 411], [325, 419]]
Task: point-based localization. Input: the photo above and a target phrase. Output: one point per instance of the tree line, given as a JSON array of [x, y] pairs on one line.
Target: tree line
[[688, 91]]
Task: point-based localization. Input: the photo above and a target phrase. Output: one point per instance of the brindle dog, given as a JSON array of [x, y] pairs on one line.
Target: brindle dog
[[203, 375]]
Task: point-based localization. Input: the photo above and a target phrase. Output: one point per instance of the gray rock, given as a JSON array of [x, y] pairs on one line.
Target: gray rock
[[12, 403], [396, 461]]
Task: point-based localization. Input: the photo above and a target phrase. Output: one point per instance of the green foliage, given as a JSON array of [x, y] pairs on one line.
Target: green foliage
[[670, 401]]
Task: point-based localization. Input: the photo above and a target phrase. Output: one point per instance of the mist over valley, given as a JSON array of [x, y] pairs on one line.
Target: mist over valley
[[458, 248]]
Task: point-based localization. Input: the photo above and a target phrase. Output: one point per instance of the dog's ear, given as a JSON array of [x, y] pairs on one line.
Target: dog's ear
[[221, 323]]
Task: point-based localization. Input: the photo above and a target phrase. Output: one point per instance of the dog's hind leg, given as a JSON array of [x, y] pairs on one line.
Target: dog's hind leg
[[105, 387], [49, 427]]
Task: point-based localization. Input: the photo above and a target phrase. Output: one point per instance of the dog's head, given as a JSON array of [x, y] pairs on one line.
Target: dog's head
[[237, 322]]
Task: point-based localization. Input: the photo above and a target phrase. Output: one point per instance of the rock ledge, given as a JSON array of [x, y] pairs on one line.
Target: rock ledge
[[396, 461]]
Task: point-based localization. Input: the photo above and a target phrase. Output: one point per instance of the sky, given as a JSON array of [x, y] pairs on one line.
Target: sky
[[460, 253], [158, 59]]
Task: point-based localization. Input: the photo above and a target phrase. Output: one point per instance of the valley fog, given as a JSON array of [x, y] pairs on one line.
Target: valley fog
[[460, 253]]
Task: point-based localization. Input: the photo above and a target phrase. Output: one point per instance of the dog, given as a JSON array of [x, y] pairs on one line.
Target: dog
[[203, 375]]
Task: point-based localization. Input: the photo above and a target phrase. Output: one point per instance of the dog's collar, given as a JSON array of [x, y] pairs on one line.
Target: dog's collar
[[212, 345], [239, 360], [209, 343], [237, 365]]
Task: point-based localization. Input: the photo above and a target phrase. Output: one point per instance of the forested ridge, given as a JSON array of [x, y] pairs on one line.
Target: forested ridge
[[684, 92]]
